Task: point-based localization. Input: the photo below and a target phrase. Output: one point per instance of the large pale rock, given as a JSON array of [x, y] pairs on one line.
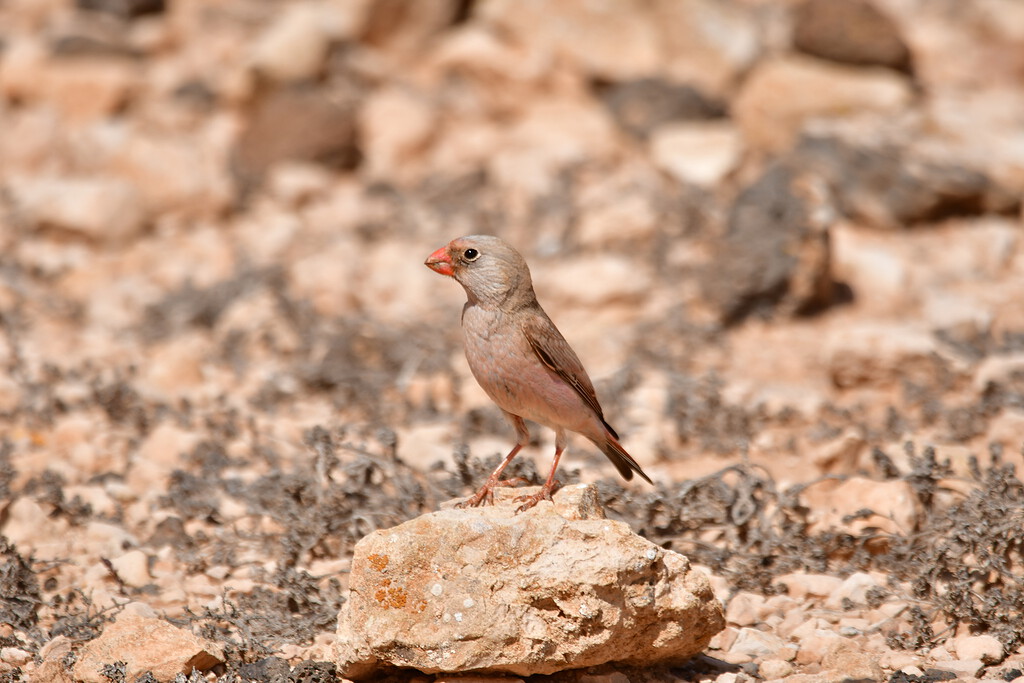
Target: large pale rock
[[145, 642], [486, 590], [780, 97]]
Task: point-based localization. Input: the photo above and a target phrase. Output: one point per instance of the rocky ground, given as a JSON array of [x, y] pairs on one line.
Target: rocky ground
[[784, 236]]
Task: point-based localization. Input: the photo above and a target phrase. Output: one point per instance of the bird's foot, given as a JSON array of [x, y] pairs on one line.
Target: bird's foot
[[486, 492], [544, 494]]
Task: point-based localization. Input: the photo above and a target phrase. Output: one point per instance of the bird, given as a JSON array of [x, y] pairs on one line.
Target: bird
[[522, 361]]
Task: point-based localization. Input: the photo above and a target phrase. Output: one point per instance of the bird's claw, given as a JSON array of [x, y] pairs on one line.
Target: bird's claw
[[486, 492], [544, 494]]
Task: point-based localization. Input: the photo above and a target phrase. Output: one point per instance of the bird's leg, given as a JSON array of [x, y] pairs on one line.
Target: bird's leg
[[552, 484], [486, 492]]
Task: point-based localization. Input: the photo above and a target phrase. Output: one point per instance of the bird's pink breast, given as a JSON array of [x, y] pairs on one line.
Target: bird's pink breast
[[507, 368]]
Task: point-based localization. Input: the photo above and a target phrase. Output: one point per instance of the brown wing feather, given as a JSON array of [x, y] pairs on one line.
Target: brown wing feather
[[555, 353]]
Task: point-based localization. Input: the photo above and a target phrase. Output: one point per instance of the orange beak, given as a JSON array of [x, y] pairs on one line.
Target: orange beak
[[440, 262]]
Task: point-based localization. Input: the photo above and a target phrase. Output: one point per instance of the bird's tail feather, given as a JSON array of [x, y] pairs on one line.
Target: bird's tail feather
[[622, 460]]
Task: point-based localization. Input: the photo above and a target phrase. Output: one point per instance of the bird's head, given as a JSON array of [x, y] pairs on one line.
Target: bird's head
[[487, 267]]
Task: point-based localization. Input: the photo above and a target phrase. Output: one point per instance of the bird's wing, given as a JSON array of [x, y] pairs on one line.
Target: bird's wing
[[555, 353]]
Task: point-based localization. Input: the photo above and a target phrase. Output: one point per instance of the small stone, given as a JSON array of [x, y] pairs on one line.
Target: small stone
[[985, 648], [642, 106], [395, 125], [852, 32], [133, 568], [698, 153], [296, 123], [847, 659], [127, 9], [815, 645], [752, 643], [99, 208], [854, 588], [490, 679], [144, 642], [800, 586], [961, 667], [774, 668], [616, 677], [744, 609], [51, 666], [858, 504], [296, 44], [15, 656], [840, 455]]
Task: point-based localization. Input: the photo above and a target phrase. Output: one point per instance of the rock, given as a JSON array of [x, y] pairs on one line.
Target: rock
[[488, 591], [296, 123], [698, 153], [781, 96], [815, 645], [879, 355], [406, 27], [703, 42], [889, 506], [144, 642], [889, 186], [128, 9], [961, 667], [51, 668], [800, 586], [771, 669], [23, 517], [551, 135], [184, 174], [985, 648], [871, 263], [840, 455], [83, 89], [133, 568], [609, 280], [601, 39], [395, 124], [15, 656], [854, 588], [852, 32], [643, 105], [295, 45], [104, 209], [752, 643], [850, 663], [745, 609], [619, 209], [775, 252]]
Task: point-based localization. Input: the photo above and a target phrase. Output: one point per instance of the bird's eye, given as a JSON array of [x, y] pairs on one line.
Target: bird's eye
[[471, 254]]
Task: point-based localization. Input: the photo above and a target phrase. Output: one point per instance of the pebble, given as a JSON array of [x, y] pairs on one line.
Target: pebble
[[753, 643], [774, 668], [961, 667], [984, 648]]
